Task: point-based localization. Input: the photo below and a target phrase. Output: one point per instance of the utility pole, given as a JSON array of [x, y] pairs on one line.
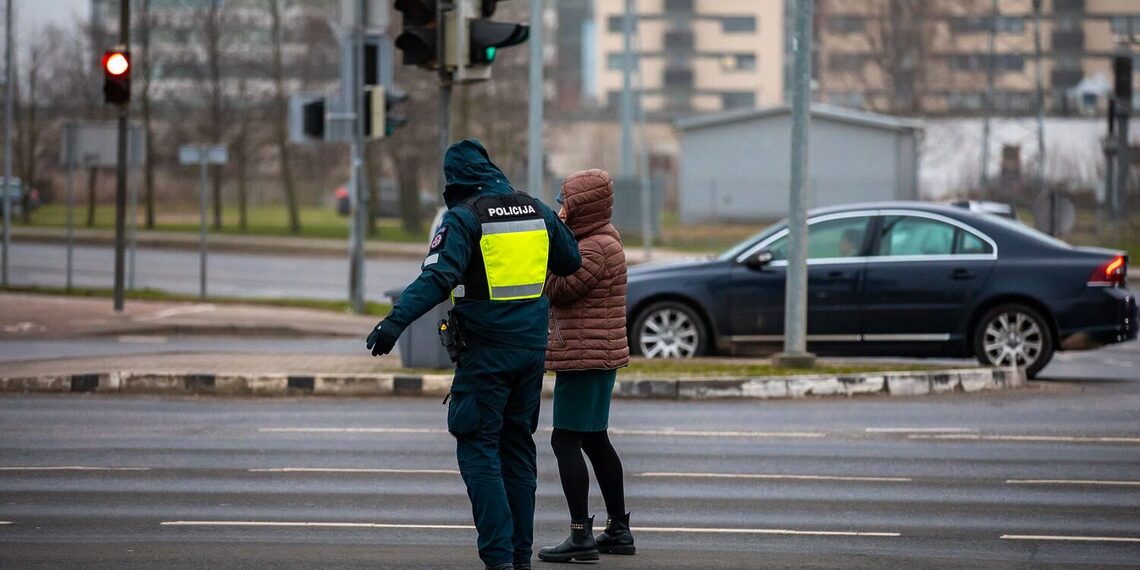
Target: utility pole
[[121, 167], [7, 140], [626, 108], [445, 85], [535, 155], [1039, 86], [360, 184], [989, 103], [795, 352]]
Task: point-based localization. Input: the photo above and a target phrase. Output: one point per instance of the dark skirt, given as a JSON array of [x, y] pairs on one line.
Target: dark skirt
[[582, 399]]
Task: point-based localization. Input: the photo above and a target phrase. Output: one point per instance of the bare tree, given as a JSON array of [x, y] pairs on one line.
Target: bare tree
[[279, 116], [27, 122], [212, 32]]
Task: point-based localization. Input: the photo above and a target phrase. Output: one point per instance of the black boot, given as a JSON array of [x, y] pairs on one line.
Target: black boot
[[616, 539], [580, 545]]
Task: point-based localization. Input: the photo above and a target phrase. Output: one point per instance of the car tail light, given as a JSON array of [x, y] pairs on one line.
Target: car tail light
[[1110, 273]]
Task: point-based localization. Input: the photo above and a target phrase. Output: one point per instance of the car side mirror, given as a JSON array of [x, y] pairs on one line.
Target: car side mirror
[[758, 260]]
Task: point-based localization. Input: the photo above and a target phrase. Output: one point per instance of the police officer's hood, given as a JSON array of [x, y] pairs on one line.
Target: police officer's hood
[[468, 171]]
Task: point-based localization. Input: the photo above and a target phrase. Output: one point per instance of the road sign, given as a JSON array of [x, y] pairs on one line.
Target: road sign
[[94, 145], [200, 154]]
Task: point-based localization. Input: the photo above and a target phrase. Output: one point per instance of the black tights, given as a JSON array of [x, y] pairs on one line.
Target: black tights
[[568, 447]]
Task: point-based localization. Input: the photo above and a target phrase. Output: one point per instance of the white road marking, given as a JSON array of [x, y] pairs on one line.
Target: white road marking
[[318, 524], [1070, 538], [350, 430], [920, 430], [73, 468], [1070, 482], [778, 477], [1039, 438], [767, 531], [355, 470], [657, 432], [703, 433], [140, 339], [5, 522], [175, 311]]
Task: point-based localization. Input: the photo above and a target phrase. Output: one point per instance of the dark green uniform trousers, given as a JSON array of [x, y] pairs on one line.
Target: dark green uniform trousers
[[493, 415]]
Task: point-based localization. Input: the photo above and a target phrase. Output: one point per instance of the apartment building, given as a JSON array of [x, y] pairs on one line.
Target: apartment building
[[693, 56], [949, 57]]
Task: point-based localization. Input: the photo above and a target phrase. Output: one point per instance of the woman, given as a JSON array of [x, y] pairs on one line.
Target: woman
[[587, 345]]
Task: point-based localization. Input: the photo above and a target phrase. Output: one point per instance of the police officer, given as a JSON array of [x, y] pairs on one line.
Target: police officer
[[492, 253]]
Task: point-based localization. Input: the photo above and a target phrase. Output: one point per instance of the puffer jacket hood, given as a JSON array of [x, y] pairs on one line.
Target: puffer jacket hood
[[588, 198], [468, 170]]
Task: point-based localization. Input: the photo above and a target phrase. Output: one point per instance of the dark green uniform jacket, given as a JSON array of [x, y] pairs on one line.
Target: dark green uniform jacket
[[509, 324]]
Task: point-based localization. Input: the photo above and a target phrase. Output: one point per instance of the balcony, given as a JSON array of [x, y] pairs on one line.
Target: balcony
[[1065, 78], [682, 40], [1069, 40], [678, 79]]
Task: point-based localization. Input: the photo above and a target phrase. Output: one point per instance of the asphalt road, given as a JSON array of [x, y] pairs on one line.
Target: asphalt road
[[228, 274], [1040, 478]]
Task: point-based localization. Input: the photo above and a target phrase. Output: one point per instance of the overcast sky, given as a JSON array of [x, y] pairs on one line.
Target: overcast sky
[[33, 15]]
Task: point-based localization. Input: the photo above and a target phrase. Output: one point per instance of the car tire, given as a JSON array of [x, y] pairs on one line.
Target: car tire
[[669, 329], [1014, 334]]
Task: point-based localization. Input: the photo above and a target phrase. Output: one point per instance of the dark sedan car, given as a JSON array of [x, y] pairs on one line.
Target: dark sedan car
[[892, 279]]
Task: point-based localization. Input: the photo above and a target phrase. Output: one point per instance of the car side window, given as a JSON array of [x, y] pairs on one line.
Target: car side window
[[914, 236], [970, 244], [829, 239]]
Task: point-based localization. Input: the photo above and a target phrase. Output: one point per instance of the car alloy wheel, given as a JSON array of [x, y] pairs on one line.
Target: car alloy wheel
[[1014, 335], [669, 330]]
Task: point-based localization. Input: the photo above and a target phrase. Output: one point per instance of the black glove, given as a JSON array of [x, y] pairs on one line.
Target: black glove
[[382, 338]]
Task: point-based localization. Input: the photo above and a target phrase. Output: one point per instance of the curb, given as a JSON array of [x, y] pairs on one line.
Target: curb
[[438, 385]]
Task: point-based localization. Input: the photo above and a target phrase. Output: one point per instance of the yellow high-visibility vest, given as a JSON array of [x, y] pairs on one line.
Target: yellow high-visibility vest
[[514, 248]]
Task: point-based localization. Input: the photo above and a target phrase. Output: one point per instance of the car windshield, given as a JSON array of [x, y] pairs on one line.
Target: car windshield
[[739, 248]]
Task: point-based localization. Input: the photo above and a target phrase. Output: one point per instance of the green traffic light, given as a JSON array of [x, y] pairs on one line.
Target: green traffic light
[[491, 54]]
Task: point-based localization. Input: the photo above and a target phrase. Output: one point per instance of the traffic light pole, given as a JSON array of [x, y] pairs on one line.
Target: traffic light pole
[[121, 167], [359, 184], [445, 84], [7, 195]]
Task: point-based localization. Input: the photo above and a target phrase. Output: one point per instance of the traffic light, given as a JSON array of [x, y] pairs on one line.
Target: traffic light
[[117, 76], [419, 38], [1122, 73], [379, 119], [473, 41], [313, 118]]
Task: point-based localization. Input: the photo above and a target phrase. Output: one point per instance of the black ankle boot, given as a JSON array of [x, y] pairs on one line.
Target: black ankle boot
[[616, 539], [579, 546]]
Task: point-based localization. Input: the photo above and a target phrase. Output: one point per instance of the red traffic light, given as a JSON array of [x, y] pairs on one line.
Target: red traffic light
[[116, 76], [116, 62]]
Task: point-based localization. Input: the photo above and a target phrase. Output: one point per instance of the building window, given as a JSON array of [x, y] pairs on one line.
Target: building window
[[738, 100], [979, 24], [678, 5], [616, 61], [981, 62], [738, 62], [615, 24], [738, 24], [964, 101], [851, 62], [846, 24], [1125, 26]]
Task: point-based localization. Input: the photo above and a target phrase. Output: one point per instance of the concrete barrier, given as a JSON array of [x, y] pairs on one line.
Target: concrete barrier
[[437, 385]]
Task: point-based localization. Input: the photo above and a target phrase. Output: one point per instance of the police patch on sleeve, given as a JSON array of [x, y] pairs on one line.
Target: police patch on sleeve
[[437, 241]]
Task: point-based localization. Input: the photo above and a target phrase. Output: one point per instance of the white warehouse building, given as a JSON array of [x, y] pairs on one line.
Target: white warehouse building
[[735, 166]]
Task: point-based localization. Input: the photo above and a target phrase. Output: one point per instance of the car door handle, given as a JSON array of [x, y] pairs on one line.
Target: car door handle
[[962, 274]]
